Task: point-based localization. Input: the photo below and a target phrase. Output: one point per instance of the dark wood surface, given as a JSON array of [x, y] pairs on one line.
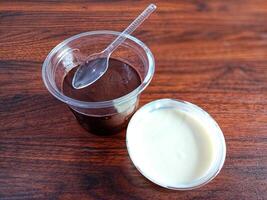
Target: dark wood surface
[[211, 53]]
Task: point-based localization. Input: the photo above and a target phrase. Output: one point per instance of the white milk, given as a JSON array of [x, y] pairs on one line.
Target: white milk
[[170, 146]]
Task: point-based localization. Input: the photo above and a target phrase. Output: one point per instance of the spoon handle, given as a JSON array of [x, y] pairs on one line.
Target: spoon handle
[[137, 22]]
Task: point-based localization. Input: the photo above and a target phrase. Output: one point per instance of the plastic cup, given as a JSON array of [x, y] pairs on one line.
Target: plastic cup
[[103, 117]]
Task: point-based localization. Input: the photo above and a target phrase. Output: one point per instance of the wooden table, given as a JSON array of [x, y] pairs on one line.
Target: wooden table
[[211, 53]]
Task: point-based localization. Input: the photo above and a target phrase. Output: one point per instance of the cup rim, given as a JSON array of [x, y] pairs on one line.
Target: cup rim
[[101, 104], [195, 183]]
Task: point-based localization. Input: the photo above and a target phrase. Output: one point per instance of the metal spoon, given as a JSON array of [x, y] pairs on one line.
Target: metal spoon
[[97, 64]]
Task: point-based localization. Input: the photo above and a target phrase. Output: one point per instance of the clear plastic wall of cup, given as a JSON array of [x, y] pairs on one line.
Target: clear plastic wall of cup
[[66, 55]]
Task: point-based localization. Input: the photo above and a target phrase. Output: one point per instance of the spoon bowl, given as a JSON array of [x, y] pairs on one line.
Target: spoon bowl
[[91, 70]]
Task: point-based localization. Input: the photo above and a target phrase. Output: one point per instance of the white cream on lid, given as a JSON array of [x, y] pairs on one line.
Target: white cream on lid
[[170, 146]]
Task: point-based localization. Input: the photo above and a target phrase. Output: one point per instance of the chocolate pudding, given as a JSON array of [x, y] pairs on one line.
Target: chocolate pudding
[[120, 79]]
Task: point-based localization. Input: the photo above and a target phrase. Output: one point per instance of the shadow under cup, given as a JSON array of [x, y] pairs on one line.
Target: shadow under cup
[[103, 117]]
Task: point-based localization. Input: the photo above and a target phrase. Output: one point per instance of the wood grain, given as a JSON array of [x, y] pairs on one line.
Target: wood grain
[[212, 53]]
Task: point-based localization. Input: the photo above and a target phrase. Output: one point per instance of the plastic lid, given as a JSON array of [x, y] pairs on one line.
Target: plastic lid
[[175, 144]]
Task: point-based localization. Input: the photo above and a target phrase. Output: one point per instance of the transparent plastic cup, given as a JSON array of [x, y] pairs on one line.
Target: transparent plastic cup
[[103, 117]]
